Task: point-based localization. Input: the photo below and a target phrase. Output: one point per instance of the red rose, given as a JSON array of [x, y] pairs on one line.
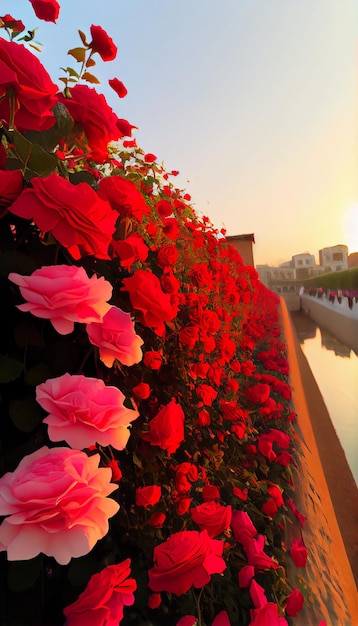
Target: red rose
[[206, 393], [298, 553], [103, 599], [99, 122], [189, 335], [254, 549], [147, 297], [203, 418], [183, 506], [294, 603], [212, 516], [123, 196], [47, 10], [210, 492], [75, 215], [10, 188], [152, 359], [22, 74], [157, 519], [148, 496], [171, 228], [154, 600], [125, 129], [116, 472], [258, 393], [17, 26], [201, 276], [149, 158], [186, 559], [102, 43], [164, 208], [167, 255], [141, 391], [169, 283], [118, 87], [130, 250], [166, 429]]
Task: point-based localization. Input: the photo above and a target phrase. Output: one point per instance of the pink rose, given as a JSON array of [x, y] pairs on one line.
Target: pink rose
[[267, 615], [212, 516], [294, 603], [84, 411], [56, 503], [166, 429], [64, 294], [74, 214], [116, 338], [242, 527], [298, 553], [186, 559], [102, 602], [254, 549]]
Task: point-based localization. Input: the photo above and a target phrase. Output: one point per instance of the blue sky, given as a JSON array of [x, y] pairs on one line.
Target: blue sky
[[253, 101]]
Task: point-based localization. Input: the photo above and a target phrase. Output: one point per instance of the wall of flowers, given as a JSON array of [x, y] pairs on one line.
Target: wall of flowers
[[147, 438]]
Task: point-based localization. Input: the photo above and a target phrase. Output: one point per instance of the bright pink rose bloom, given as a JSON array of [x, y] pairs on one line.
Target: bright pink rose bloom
[[56, 503], [148, 496], [47, 10], [64, 294], [166, 429], [102, 43], [298, 553], [187, 558], [294, 603], [116, 338], [84, 411], [102, 602], [34, 91], [212, 516], [98, 120], [74, 214], [147, 297], [267, 615]]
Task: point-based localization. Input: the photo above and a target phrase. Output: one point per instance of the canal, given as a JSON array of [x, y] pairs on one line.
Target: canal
[[335, 368]]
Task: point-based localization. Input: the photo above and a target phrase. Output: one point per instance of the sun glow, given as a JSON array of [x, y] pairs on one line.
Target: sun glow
[[351, 228]]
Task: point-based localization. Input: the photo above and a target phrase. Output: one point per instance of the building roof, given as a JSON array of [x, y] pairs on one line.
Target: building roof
[[249, 237]]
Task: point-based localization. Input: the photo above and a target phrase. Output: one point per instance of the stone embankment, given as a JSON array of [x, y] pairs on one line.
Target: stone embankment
[[326, 494], [338, 319]]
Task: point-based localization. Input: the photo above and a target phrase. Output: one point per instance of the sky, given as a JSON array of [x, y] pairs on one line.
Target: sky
[[253, 101]]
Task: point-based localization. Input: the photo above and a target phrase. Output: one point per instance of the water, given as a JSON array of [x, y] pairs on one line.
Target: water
[[335, 368]]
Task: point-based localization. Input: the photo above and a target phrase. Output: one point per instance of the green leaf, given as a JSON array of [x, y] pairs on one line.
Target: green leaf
[[33, 156], [23, 574], [26, 414], [81, 177], [90, 78], [10, 369], [37, 374], [78, 53]]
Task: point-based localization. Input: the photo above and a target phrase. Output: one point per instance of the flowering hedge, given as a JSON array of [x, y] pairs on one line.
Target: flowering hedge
[[147, 429]]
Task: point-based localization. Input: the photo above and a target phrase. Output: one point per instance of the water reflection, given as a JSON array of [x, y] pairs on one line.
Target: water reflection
[[335, 368]]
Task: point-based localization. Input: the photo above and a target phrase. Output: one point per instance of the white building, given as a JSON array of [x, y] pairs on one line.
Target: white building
[[334, 259]]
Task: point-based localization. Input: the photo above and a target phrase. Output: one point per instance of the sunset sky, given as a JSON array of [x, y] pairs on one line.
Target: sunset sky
[[253, 101]]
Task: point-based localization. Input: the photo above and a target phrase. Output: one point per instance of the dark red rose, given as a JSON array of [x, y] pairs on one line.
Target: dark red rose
[[47, 10], [166, 429], [141, 391], [157, 519], [169, 282], [294, 603], [102, 43], [149, 158], [125, 129], [167, 255], [99, 122], [118, 87], [123, 196], [116, 472], [155, 599], [146, 295], [171, 228], [129, 250], [183, 506], [148, 496], [164, 208], [258, 393], [206, 393], [10, 188], [189, 335], [152, 359], [201, 276], [76, 216], [22, 74], [210, 492], [298, 553]]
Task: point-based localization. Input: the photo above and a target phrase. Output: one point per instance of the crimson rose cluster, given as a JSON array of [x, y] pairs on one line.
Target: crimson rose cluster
[[147, 436]]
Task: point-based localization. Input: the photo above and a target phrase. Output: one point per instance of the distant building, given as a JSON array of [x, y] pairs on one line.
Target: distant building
[[334, 259], [243, 244], [352, 260]]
